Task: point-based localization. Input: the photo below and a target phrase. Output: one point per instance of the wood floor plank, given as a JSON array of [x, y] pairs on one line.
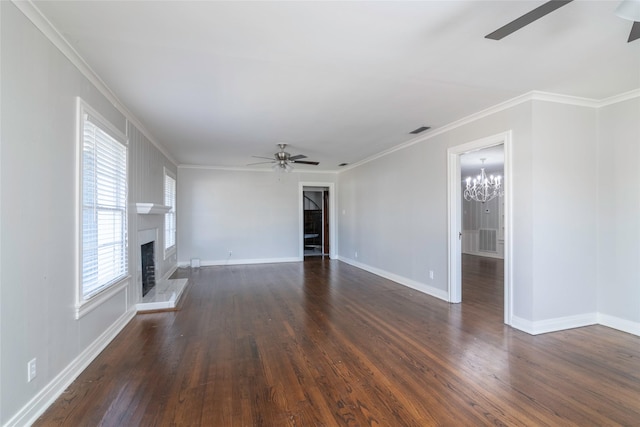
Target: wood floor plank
[[322, 343]]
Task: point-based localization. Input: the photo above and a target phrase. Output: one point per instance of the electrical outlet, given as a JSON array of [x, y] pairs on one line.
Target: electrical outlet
[[431, 274], [230, 253], [31, 370], [356, 254]]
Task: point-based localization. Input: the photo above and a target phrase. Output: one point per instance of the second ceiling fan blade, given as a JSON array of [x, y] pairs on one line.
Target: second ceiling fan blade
[[527, 19], [635, 32], [305, 162]]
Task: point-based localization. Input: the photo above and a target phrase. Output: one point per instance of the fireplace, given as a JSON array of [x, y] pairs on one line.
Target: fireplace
[[148, 266], [156, 293]]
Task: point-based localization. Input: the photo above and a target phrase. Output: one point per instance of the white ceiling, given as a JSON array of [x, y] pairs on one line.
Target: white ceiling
[[218, 82]]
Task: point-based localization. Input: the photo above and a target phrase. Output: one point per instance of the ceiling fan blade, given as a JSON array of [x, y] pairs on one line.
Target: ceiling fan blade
[[635, 32], [305, 162], [297, 157], [260, 157], [527, 19]]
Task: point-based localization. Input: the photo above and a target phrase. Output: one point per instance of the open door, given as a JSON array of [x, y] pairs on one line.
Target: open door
[[317, 200], [455, 218], [325, 222]]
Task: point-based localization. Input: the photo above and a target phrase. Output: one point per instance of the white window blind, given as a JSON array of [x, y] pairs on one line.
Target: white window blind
[[104, 208], [169, 217]]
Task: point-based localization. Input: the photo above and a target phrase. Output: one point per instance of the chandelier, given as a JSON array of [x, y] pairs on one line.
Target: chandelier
[[483, 188]]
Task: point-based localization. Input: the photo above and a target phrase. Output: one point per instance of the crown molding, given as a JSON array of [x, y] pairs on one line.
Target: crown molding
[[246, 169], [47, 28], [34, 14], [620, 98], [537, 95], [529, 96]]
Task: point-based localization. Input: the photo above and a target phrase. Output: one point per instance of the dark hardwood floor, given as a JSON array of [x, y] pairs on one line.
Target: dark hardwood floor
[[322, 343]]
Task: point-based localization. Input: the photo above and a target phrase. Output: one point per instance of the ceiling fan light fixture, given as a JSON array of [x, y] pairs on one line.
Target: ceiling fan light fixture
[[282, 166], [629, 9], [282, 161]]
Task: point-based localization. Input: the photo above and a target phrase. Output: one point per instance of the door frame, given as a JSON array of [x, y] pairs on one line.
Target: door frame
[[331, 213], [454, 196]]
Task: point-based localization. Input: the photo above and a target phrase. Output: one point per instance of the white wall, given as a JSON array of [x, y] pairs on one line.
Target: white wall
[[39, 86], [564, 211], [389, 216], [576, 212], [253, 214], [618, 190], [554, 230], [395, 208]]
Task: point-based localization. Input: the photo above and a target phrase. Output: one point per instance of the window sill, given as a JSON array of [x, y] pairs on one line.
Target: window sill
[[86, 306], [152, 208]]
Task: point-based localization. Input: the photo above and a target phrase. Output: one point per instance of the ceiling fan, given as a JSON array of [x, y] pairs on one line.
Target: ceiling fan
[[628, 9], [282, 160]]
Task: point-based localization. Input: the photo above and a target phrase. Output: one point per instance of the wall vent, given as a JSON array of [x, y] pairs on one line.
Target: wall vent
[[420, 129], [488, 240]]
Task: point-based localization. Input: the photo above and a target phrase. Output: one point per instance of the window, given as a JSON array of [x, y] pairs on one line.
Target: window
[[103, 170], [169, 217]]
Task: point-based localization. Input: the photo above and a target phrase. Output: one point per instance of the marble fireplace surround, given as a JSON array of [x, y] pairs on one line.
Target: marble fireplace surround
[[166, 294]]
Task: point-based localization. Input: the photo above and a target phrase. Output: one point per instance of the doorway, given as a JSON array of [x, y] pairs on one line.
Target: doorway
[[317, 219], [456, 211], [315, 203]]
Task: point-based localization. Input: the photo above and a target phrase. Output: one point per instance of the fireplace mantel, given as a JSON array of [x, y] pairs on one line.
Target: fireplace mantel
[[152, 208]]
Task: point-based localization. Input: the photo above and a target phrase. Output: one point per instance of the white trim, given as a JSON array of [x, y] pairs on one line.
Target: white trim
[[152, 208], [454, 225], [623, 325], [248, 169], [242, 261], [82, 305], [454, 218], [82, 108], [333, 218], [86, 306], [168, 251], [45, 26], [537, 95], [30, 412], [521, 324], [620, 98], [554, 325], [401, 280], [529, 96]]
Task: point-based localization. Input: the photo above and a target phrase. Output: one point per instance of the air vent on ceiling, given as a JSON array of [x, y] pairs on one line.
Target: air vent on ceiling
[[343, 164], [420, 129]]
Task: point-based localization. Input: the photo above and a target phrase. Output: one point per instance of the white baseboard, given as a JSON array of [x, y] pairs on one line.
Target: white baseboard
[[623, 325], [554, 325], [242, 261], [41, 401], [410, 283]]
